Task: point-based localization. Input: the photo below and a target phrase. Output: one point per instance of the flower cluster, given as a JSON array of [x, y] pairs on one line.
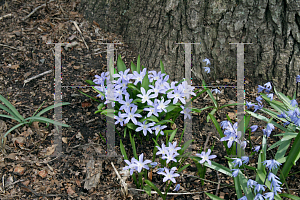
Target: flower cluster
[[168, 153], [292, 115], [267, 87], [152, 98], [232, 134]]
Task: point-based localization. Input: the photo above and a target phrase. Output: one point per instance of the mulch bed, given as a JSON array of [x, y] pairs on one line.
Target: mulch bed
[[28, 169]]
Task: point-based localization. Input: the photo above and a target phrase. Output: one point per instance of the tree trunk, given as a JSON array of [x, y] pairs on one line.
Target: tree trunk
[[153, 27]]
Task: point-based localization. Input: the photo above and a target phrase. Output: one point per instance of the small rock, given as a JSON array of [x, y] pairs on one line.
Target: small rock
[[232, 115], [226, 80], [231, 102]]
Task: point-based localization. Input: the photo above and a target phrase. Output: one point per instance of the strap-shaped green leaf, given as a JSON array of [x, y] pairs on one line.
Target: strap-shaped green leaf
[[120, 64], [11, 107]]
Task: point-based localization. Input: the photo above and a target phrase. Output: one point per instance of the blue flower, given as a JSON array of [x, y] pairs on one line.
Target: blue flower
[[268, 86], [237, 161], [216, 91], [145, 127], [207, 69], [271, 95], [177, 187], [259, 187], [186, 112], [207, 61], [271, 164], [269, 195], [257, 107], [294, 102], [169, 175], [254, 128], [130, 114], [245, 159], [258, 99], [256, 149], [258, 197], [243, 198], [206, 156], [251, 183], [260, 88], [297, 78], [249, 104], [235, 172], [146, 96], [282, 115]]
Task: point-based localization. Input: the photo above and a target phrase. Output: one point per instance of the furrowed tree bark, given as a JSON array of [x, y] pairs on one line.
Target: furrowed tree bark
[[153, 27]]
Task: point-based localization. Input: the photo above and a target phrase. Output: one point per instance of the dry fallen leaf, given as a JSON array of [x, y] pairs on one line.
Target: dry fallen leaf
[[50, 150], [18, 140], [65, 140], [70, 191], [19, 170], [43, 173]]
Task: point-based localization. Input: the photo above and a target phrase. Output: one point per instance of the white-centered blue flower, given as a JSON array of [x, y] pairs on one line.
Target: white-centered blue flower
[[138, 76], [216, 91], [140, 164], [186, 112], [251, 183], [170, 156], [120, 118], [131, 115], [161, 151], [146, 96], [144, 127], [158, 129], [206, 156], [169, 174], [163, 104], [131, 165]]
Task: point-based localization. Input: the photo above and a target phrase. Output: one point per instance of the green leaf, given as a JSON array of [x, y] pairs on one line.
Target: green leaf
[[145, 82], [215, 166], [13, 128], [10, 117], [130, 85], [210, 95], [164, 122], [290, 196], [198, 94], [292, 158], [46, 120], [215, 122], [183, 168], [132, 126], [213, 197], [211, 113], [154, 187], [12, 109], [173, 135], [184, 147], [147, 189], [90, 82], [123, 150], [151, 118], [133, 146], [133, 67], [170, 108], [120, 64], [51, 107]]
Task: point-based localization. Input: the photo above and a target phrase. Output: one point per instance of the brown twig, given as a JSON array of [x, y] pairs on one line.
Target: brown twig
[[4, 45], [80, 33], [36, 9], [6, 16]]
